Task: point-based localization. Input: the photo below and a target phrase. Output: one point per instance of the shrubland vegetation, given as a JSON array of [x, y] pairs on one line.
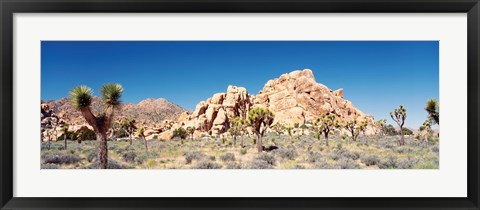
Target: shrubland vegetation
[[326, 143]]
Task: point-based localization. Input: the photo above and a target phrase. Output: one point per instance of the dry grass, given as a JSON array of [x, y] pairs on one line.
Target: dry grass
[[297, 152]]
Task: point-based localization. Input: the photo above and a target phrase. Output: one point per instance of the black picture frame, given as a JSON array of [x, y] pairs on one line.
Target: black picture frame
[[9, 7]]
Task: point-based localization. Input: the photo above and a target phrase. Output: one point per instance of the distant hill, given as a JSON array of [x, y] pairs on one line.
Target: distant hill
[[148, 112]]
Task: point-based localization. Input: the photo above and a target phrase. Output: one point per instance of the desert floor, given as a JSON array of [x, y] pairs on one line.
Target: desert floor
[[295, 152]]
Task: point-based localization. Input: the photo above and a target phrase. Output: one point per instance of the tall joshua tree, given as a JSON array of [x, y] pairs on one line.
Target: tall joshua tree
[[325, 123], [260, 119], [432, 109], [81, 98], [399, 115]]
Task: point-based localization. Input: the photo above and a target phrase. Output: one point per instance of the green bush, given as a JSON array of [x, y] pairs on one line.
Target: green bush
[[370, 160], [205, 164], [180, 133], [227, 157]]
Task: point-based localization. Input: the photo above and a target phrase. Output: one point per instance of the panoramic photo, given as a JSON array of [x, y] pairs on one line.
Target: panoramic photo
[[239, 105]]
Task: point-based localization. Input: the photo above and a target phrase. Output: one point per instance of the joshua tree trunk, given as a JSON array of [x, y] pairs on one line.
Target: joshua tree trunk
[[402, 140], [146, 145], [326, 138], [259, 143], [130, 137], [234, 140], [241, 141], [103, 150], [65, 141]]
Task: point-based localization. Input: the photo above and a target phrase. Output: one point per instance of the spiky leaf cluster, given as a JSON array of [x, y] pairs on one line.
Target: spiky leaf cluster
[[81, 96], [258, 117], [111, 94], [432, 108], [399, 115]]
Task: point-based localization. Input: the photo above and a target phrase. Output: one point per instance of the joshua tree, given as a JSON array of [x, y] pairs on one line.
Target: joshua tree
[[278, 128], [289, 131], [190, 131], [432, 109], [325, 123], [236, 128], [128, 125], [81, 98], [141, 134], [381, 125], [399, 115], [426, 130], [65, 135], [355, 127], [260, 119], [303, 127]]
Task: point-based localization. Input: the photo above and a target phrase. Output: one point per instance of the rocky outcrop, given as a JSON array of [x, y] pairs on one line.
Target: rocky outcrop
[[295, 98], [213, 114]]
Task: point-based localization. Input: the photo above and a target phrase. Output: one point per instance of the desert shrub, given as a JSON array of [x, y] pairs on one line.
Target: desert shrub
[[48, 166], [298, 167], [407, 163], [426, 165], [403, 150], [129, 156], [260, 164], [407, 131], [227, 157], [212, 157], [347, 164], [233, 165], [141, 157], [323, 164], [349, 155], [390, 130], [390, 163], [289, 153], [270, 159], [194, 155], [243, 151], [180, 133], [61, 159], [92, 157], [314, 157], [112, 164], [205, 164], [370, 160], [435, 148], [121, 133], [85, 134], [150, 163]]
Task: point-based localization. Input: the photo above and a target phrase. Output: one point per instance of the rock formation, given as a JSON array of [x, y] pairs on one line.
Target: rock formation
[[295, 98], [212, 115]]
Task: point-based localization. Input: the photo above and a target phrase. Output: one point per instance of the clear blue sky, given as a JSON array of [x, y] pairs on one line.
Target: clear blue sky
[[376, 76]]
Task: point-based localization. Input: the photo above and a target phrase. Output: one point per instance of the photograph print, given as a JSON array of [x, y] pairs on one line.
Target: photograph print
[[240, 105]]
